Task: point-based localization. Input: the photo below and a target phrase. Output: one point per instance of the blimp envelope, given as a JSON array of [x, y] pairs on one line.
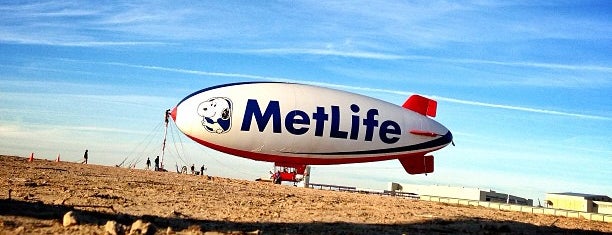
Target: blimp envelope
[[304, 124]]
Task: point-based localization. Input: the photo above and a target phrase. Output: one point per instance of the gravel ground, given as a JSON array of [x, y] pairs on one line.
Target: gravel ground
[[36, 196]]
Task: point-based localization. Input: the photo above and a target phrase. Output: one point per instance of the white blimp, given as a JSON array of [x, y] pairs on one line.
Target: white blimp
[[296, 125]]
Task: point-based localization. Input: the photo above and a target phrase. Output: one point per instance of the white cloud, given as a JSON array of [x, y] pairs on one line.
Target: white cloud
[[65, 40], [374, 29], [531, 64], [395, 92], [519, 108], [322, 52], [344, 52]]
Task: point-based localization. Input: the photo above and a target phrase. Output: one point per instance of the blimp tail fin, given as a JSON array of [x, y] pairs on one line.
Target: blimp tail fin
[[422, 105], [418, 165]]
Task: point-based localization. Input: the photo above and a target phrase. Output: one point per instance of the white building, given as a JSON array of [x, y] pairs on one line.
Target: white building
[[591, 203], [461, 193]]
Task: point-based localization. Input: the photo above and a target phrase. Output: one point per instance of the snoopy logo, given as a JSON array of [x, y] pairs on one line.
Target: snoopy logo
[[216, 114]]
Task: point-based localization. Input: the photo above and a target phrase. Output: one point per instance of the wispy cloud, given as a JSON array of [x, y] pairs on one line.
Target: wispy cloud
[[66, 40], [324, 52], [393, 56], [468, 102], [66, 23], [382, 31], [377, 28], [519, 108], [347, 87], [196, 72], [585, 67], [389, 91]]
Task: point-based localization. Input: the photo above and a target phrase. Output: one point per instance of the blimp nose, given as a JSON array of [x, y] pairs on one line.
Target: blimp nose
[[173, 114]]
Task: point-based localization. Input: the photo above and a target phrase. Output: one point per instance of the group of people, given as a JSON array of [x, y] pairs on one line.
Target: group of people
[[194, 172], [157, 168], [156, 163]]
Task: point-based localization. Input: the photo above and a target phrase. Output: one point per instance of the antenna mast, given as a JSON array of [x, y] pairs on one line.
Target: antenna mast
[[166, 117]]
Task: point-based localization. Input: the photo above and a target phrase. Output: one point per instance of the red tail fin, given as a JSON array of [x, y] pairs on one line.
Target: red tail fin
[[422, 105], [418, 164]]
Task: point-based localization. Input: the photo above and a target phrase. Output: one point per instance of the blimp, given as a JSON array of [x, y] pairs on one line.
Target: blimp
[[297, 125]]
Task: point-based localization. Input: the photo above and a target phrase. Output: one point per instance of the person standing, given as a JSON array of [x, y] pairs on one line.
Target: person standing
[[157, 163], [202, 170], [85, 156], [276, 177], [148, 163]]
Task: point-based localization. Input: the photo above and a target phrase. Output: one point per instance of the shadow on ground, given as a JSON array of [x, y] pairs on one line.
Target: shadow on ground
[[39, 210]]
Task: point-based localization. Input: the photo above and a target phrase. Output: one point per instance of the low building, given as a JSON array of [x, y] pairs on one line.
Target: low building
[[460, 193], [591, 203]]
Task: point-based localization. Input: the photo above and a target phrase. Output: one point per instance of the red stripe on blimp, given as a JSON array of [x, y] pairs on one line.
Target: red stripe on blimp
[[303, 160], [424, 133]]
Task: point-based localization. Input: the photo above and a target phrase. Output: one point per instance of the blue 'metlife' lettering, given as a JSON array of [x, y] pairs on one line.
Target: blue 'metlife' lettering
[[297, 117], [389, 127], [320, 117], [297, 122], [335, 125], [253, 110]]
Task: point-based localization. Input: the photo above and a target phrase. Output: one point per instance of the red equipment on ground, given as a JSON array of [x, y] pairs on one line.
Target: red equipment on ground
[[288, 172]]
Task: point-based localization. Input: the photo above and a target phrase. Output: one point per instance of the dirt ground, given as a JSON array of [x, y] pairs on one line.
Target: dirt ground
[[35, 196]]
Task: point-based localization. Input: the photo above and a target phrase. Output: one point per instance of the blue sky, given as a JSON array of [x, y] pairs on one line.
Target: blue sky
[[524, 86]]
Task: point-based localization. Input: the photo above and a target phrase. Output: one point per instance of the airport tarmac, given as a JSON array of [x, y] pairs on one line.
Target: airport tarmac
[[43, 191]]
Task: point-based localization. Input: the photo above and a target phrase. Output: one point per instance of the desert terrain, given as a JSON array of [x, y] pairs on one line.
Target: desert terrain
[[36, 196]]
